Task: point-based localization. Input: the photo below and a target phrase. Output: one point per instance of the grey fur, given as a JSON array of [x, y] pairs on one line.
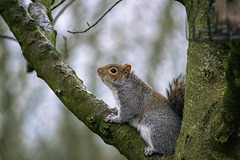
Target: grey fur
[[148, 111]]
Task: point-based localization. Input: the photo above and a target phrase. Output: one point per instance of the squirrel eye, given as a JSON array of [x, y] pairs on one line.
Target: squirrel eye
[[113, 70]]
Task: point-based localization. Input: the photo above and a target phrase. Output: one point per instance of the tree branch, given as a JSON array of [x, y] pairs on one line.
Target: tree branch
[[57, 5], [36, 37], [91, 26], [62, 10], [8, 37]]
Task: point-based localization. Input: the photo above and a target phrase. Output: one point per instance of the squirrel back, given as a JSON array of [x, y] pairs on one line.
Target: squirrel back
[[153, 115]]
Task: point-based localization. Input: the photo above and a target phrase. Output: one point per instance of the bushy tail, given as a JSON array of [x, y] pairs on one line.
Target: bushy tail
[[176, 94]]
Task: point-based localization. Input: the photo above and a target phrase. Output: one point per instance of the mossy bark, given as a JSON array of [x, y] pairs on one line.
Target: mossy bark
[[34, 31], [205, 132]]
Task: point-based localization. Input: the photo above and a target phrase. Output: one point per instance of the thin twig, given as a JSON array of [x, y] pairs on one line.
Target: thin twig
[[65, 54], [57, 5], [91, 26], [8, 37], [62, 10]]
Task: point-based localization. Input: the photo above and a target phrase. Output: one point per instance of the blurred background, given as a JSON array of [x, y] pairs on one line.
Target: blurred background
[[34, 124]]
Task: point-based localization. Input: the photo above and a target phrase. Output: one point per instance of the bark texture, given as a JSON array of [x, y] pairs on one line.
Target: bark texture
[[208, 129], [34, 31]]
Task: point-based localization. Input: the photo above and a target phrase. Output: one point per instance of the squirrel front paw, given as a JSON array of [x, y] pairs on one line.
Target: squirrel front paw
[[114, 110], [112, 118]]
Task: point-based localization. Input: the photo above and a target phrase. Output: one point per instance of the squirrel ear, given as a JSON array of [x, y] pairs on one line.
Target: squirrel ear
[[127, 69]]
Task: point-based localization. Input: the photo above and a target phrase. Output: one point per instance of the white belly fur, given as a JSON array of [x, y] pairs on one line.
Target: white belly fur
[[143, 129]]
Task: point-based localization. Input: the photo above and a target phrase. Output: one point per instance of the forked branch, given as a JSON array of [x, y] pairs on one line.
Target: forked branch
[[91, 26]]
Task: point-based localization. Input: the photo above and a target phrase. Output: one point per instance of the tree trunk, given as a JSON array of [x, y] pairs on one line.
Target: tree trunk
[[209, 129]]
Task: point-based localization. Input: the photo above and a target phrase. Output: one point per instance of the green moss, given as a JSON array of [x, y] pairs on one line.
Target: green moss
[[46, 3], [204, 133], [223, 132], [231, 109], [237, 82]]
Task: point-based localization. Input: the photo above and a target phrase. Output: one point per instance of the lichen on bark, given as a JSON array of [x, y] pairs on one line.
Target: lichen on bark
[[206, 83], [37, 39], [231, 100]]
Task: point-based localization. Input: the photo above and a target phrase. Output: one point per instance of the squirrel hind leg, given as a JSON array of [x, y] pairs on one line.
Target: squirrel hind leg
[[149, 150], [163, 142], [158, 139], [146, 135]]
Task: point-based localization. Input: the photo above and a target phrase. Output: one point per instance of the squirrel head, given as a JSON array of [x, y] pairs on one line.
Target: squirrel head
[[114, 74]]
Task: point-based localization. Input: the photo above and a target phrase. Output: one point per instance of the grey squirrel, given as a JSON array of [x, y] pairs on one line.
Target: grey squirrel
[[157, 118]]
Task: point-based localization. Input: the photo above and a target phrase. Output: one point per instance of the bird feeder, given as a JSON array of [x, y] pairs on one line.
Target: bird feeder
[[223, 22]]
